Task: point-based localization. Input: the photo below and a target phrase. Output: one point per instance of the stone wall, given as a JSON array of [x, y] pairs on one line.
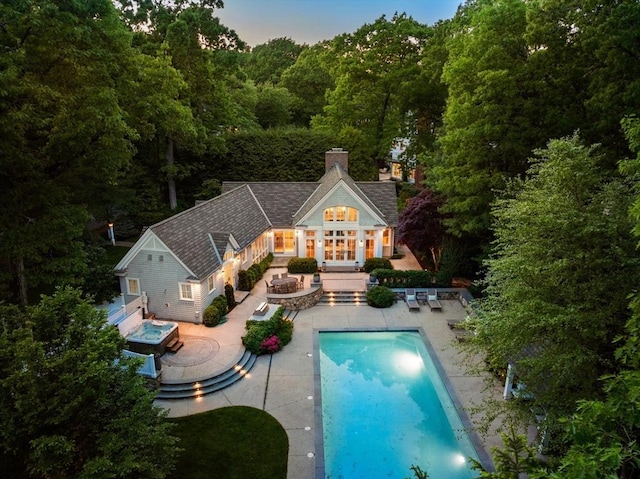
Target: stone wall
[[296, 301]]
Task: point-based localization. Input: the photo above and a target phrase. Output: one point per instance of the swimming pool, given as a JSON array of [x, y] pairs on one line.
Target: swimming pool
[[384, 408]]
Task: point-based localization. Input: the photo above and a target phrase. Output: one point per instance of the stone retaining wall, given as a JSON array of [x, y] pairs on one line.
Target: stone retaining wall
[[299, 300]]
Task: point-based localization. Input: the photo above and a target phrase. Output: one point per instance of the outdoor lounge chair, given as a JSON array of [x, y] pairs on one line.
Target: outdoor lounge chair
[[410, 299], [432, 301]]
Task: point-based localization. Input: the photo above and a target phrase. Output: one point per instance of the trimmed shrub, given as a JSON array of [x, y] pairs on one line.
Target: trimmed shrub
[[258, 332], [404, 278], [228, 293], [380, 297], [221, 303], [244, 281], [302, 265], [212, 316], [376, 263]]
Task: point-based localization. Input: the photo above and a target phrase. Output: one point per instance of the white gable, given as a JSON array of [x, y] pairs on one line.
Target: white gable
[[342, 195], [147, 242]]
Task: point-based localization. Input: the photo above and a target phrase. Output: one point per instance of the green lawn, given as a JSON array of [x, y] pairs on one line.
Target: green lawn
[[231, 443]]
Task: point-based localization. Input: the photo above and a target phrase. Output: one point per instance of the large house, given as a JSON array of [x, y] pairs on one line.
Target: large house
[[180, 264]]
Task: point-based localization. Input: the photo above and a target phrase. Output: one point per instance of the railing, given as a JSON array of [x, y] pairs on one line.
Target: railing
[[148, 368]]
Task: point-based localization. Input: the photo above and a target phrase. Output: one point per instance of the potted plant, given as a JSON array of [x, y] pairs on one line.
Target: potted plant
[[316, 277]]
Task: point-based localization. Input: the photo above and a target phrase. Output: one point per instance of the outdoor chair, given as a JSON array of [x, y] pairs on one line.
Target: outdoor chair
[[410, 299], [301, 283], [285, 275], [275, 276], [432, 301], [269, 288]]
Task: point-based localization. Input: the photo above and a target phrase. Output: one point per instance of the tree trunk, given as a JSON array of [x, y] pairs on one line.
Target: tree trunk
[[21, 281], [171, 182]]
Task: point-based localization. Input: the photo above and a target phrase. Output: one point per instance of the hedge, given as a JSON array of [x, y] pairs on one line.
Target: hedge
[[215, 311], [302, 265], [248, 278], [403, 278], [376, 263]]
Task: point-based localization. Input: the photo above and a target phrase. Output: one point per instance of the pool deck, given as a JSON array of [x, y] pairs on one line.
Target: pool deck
[[284, 384]]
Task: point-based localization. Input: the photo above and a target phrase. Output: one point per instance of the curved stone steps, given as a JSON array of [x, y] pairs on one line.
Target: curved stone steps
[[193, 389]]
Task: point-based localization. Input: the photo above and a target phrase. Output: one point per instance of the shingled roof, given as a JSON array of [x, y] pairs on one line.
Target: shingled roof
[[199, 235], [286, 203]]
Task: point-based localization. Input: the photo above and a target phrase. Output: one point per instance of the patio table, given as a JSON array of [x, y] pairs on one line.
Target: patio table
[[285, 285]]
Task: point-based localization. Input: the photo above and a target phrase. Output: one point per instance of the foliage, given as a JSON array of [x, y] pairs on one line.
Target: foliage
[[221, 440], [267, 62], [228, 293], [406, 278], [248, 278], [374, 65], [214, 313], [273, 106], [418, 472], [421, 227], [270, 345], [72, 405], [272, 155], [99, 283], [516, 458], [376, 263], [308, 79], [302, 265], [380, 297], [259, 331], [64, 133], [553, 307]]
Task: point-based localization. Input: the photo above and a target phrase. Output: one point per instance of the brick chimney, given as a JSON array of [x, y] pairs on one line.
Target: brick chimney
[[336, 155]]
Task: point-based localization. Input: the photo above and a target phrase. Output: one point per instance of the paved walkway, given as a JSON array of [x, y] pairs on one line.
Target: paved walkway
[[283, 384]]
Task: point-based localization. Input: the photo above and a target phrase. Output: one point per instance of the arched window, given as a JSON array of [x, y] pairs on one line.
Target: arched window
[[341, 214]]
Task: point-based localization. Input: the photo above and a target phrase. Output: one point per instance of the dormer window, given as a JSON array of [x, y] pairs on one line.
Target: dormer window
[[341, 214]]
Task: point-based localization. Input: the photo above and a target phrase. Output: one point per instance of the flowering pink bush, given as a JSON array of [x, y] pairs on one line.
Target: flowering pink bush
[[270, 345]]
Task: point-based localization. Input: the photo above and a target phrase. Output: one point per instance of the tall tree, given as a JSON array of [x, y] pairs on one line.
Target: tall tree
[[553, 306], [64, 132], [485, 136], [374, 65], [308, 79], [267, 62], [190, 34], [71, 405]]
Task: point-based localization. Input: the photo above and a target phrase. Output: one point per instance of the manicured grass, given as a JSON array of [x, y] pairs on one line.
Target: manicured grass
[[231, 443]]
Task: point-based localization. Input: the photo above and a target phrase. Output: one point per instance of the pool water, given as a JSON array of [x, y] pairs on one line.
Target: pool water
[[385, 408]]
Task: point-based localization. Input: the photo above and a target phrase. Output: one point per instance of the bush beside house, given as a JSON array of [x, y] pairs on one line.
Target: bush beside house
[[215, 311], [248, 278], [302, 265], [268, 337], [376, 263]]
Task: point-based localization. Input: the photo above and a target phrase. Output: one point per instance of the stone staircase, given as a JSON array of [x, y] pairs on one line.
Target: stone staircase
[[344, 297], [193, 389]]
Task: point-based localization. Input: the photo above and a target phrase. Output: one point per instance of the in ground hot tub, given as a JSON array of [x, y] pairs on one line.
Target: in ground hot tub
[[152, 337]]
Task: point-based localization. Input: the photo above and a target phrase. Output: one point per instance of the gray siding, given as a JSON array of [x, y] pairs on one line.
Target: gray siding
[[160, 281]]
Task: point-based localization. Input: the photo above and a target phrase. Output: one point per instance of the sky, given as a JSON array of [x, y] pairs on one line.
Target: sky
[[311, 21]]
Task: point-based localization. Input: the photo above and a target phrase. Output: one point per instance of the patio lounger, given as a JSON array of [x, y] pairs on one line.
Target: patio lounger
[[410, 298], [432, 301]]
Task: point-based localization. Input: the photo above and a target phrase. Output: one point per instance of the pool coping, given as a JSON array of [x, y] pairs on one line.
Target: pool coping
[[474, 437]]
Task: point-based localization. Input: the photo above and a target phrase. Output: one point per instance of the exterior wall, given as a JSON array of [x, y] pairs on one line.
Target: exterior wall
[[366, 221], [159, 279]]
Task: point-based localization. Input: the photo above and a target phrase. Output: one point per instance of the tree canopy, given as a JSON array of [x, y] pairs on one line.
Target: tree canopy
[[71, 405]]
